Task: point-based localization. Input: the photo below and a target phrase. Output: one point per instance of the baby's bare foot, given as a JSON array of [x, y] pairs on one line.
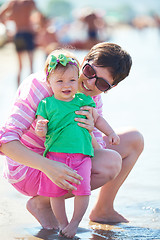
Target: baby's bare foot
[[70, 230], [61, 227]]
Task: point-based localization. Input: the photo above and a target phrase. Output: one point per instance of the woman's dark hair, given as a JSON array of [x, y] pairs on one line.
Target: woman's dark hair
[[112, 56]]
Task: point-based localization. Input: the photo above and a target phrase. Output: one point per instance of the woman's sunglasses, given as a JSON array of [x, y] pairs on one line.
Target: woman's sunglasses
[[102, 84]]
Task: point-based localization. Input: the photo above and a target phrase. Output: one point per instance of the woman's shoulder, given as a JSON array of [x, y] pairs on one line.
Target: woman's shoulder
[[35, 84], [34, 79]]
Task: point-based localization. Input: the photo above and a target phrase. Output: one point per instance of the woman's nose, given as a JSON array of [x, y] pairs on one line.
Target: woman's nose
[[91, 81]]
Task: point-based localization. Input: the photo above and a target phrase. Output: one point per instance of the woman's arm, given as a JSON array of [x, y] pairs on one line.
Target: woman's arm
[[59, 173]]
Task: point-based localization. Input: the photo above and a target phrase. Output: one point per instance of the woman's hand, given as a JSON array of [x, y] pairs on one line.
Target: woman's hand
[[87, 122], [62, 175]]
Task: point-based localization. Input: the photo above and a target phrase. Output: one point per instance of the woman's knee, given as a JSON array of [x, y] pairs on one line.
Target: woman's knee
[[108, 163], [137, 141], [115, 164]]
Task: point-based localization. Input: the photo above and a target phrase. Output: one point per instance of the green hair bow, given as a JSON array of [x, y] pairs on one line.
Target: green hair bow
[[63, 60]]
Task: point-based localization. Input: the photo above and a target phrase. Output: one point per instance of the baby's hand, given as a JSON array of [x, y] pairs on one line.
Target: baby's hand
[[114, 139], [41, 127]]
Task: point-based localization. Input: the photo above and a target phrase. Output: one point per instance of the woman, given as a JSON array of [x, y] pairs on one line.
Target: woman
[[105, 66]]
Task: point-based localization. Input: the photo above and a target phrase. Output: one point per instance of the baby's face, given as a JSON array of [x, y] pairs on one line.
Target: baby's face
[[64, 82]]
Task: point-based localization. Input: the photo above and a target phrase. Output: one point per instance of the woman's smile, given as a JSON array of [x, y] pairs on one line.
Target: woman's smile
[[84, 85]]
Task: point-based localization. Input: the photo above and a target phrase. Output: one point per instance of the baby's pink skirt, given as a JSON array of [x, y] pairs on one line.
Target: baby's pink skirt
[[37, 183]]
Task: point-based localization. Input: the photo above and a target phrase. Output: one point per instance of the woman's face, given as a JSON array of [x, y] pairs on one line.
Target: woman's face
[[87, 86]]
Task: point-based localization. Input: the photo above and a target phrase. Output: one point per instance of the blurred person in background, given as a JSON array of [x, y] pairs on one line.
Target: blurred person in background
[[46, 37], [94, 28], [94, 23], [20, 11]]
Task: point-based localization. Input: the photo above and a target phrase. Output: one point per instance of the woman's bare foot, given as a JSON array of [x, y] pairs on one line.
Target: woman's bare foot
[[111, 217], [40, 208], [70, 230]]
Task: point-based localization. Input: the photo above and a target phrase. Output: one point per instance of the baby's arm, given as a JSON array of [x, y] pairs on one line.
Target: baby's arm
[[103, 126], [95, 144], [41, 126]]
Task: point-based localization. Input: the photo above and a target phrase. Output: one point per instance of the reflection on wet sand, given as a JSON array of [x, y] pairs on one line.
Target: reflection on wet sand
[[94, 231], [123, 231]]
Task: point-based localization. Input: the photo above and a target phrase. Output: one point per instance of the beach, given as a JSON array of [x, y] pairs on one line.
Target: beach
[[135, 102]]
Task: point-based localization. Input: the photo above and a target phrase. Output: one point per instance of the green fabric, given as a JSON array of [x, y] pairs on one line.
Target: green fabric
[[64, 135]]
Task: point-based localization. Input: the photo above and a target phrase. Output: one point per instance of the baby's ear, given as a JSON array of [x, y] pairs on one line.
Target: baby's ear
[[46, 68], [48, 82]]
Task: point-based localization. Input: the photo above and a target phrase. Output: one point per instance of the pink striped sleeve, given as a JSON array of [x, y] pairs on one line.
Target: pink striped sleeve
[[96, 132], [31, 92]]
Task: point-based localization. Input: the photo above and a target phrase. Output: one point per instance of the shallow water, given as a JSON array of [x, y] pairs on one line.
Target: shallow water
[[135, 102]]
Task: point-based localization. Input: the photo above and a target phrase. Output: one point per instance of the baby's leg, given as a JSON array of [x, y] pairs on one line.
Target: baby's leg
[[80, 206], [58, 208]]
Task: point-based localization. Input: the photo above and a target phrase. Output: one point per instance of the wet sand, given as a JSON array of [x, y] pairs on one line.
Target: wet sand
[[139, 198]]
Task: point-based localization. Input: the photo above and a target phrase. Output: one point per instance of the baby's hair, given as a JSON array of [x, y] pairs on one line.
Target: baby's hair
[[56, 53]]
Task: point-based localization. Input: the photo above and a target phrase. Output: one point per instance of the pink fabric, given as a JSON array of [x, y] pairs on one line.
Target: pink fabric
[[78, 162], [37, 183], [20, 125], [30, 184]]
